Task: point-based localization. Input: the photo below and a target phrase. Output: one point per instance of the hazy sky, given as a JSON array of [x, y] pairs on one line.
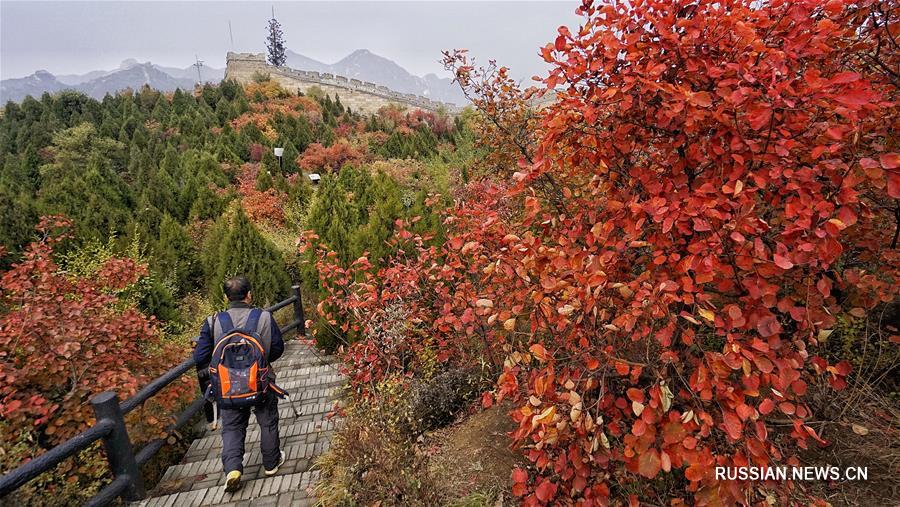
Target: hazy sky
[[76, 37]]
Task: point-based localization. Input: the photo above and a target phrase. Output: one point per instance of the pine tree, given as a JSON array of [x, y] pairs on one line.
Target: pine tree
[[175, 257], [264, 178], [275, 42], [234, 247]]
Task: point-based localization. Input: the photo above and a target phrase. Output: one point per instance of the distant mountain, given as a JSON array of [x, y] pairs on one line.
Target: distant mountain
[[75, 79], [364, 65], [134, 77], [209, 74], [97, 83], [35, 85]]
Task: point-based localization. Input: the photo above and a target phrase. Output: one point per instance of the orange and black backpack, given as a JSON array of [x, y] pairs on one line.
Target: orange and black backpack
[[239, 371]]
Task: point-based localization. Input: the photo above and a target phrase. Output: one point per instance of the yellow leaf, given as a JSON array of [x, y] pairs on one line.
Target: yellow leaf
[[575, 413], [859, 429], [666, 397], [637, 407], [509, 324], [604, 440], [545, 417], [707, 314], [824, 334], [690, 319]]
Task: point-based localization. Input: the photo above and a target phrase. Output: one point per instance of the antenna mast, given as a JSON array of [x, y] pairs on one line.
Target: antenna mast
[[198, 65]]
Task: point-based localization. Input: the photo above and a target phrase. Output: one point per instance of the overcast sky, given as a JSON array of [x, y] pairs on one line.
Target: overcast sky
[[76, 37]]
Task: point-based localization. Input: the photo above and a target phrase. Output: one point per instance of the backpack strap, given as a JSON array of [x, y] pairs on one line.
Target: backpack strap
[[253, 319], [225, 322]]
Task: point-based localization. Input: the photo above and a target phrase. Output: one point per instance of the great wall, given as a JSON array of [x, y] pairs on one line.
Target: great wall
[[359, 95]]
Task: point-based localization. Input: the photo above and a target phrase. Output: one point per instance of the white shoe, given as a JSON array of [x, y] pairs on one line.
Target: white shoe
[[213, 426], [232, 481], [270, 473]]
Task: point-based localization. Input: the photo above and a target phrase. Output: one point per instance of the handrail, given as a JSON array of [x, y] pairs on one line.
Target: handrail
[[110, 428], [17, 478]]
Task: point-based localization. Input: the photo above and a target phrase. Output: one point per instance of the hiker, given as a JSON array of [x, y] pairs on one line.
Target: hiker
[[240, 344]]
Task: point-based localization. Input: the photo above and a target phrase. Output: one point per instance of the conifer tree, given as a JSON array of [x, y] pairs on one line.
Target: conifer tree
[[275, 42], [264, 179], [175, 258], [234, 247]]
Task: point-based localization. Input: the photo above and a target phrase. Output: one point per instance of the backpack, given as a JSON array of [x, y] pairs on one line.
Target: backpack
[[239, 370]]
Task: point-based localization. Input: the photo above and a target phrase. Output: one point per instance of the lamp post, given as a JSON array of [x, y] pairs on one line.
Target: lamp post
[[279, 152]]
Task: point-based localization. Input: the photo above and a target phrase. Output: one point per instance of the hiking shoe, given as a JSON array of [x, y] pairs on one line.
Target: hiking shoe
[[232, 481], [270, 473]]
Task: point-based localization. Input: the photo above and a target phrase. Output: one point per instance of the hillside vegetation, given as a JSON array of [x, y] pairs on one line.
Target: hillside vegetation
[[122, 217]]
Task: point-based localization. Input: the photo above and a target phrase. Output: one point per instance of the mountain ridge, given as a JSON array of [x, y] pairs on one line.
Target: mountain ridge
[[360, 64]]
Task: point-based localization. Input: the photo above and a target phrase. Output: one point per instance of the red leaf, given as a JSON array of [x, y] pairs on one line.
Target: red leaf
[[635, 394], [732, 425], [540, 353], [782, 262], [649, 463], [487, 400], [843, 368], [893, 185], [768, 326], [890, 160], [702, 99], [545, 491], [519, 475]]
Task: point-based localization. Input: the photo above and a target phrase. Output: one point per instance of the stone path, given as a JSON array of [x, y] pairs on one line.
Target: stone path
[[198, 479]]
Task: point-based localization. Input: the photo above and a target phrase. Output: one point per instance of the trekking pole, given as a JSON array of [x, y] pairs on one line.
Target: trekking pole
[[291, 403]]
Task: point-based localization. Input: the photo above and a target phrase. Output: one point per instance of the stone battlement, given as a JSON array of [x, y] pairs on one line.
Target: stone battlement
[[359, 95]]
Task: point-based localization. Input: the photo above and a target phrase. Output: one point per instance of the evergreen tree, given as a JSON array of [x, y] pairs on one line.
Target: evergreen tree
[[264, 178], [174, 256], [275, 43], [235, 247], [83, 184]]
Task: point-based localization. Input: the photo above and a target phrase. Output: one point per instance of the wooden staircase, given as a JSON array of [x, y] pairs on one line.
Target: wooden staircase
[[314, 384]]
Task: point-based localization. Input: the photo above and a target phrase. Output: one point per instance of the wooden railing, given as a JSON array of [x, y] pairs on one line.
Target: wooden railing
[[110, 428]]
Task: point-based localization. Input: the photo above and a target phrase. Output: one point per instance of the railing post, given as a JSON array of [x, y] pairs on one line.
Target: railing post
[[117, 445], [298, 311]]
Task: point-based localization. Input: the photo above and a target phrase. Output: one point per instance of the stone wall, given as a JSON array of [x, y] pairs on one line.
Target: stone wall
[[359, 95]]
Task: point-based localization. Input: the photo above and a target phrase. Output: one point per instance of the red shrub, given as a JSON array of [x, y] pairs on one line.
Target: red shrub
[[704, 202], [63, 340], [319, 158]]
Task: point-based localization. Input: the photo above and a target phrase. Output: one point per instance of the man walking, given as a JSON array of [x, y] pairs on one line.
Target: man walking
[[218, 329]]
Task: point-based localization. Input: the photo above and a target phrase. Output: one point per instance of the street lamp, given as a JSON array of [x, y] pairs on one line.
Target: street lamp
[[279, 152]]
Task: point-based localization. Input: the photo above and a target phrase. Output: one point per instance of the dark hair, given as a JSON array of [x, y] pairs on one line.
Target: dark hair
[[237, 288]]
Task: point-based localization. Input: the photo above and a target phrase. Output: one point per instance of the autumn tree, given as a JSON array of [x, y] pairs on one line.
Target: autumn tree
[[63, 339]]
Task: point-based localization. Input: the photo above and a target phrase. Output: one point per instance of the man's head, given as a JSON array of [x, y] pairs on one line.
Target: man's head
[[237, 289]]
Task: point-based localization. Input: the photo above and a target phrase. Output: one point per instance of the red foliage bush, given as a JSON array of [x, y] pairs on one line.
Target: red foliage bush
[[706, 199], [319, 158], [261, 206], [63, 340], [256, 152]]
